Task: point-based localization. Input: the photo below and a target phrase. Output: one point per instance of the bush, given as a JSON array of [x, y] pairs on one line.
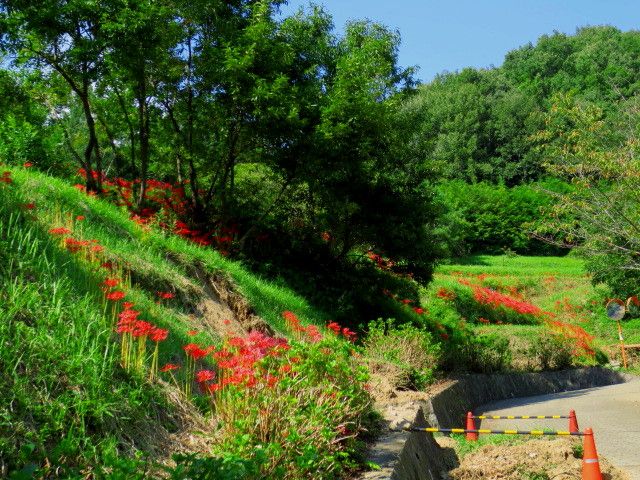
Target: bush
[[551, 350], [404, 355], [482, 354]]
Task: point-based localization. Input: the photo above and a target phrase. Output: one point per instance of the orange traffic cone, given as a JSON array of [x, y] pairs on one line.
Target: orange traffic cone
[[590, 463], [573, 422], [471, 426]]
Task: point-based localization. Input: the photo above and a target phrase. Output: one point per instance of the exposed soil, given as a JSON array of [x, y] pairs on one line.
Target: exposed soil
[[536, 459]]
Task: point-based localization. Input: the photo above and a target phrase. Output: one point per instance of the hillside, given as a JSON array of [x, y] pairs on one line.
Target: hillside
[[70, 262]]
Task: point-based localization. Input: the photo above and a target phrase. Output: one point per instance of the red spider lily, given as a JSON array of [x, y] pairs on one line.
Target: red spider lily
[[286, 368], [205, 376], [227, 322], [406, 301], [192, 333], [111, 282], [74, 245], [165, 295], [107, 265], [158, 334], [349, 335], [115, 296], [29, 206], [446, 294], [418, 310], [27, 164], [97, 248], [313, 334], [127, 305], [444, 336], [60, 231], [194, 351], [141, 328], [169, 366], [80, 218], [334, 327], [80, 187]]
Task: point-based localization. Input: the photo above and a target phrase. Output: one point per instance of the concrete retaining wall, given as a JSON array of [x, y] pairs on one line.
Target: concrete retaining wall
[[416, 456]]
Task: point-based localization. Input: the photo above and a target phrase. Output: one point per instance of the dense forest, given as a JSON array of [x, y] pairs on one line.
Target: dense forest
[[316, 173]]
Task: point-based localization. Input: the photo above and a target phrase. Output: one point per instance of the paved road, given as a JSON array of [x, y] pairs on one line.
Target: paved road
[[613, 413]]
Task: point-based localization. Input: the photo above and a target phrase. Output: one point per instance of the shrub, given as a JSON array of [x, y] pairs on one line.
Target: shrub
[[406, 356], [551, 350], [481, 353]]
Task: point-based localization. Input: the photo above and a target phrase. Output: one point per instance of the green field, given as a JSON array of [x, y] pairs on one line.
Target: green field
[[559, 286]]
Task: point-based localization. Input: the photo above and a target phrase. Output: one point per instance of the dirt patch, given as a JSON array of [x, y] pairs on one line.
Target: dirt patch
[[222, 309], [536, 459]]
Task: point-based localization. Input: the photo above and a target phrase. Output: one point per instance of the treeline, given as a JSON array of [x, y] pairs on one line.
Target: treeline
[[480, 125], [312, 147]]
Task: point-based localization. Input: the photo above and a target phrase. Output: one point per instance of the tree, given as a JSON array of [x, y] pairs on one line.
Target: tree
[[64, 36], [599, 154]]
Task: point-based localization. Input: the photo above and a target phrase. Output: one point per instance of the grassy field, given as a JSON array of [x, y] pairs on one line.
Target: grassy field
[[559, 286]]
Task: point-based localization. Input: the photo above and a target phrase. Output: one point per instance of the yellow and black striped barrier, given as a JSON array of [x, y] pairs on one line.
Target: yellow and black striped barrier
[[517, 417], [498, 432]]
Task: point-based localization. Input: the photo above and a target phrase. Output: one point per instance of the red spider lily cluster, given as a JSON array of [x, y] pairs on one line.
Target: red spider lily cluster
[[237, 363], [381, 262], [6, 178], [495, 299], [580, 339], [165, 295], [338, 330], [134, 335], [446, 294], [300, 332], [167, 203]]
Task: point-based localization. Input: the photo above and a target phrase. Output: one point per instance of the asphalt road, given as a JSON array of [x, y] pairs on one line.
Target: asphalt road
[[613, 412]]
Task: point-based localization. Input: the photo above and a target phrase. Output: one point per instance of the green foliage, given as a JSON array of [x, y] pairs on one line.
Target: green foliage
[[65, 402], [405, 355], [492, 218], [598, 153], [478, 125], [551, 351]]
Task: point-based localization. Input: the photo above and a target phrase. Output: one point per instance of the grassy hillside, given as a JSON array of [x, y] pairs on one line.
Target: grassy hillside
[[81, 393]]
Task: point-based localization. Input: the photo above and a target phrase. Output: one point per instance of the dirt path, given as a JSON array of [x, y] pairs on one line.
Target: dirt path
[[613, 412]]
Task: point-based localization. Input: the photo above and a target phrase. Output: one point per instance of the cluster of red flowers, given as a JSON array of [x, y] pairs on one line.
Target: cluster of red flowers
[[237, 362], [310, 332], [381, 262], [6, 177], [487, 296], [446, 294], [129, 323], [165, 295], [168, 201], [582, 341], [337, 329]]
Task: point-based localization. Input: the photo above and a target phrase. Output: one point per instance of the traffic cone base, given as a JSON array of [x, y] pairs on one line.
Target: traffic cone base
[[590, 463], [471, 426]]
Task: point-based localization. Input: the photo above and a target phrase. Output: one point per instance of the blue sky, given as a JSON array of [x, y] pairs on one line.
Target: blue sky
[[450, 35]]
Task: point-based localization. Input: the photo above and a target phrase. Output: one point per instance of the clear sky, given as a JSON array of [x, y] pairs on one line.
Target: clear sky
[[439, 35]]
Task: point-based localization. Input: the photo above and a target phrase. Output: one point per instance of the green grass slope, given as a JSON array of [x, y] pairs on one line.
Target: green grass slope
[[65, 403]]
